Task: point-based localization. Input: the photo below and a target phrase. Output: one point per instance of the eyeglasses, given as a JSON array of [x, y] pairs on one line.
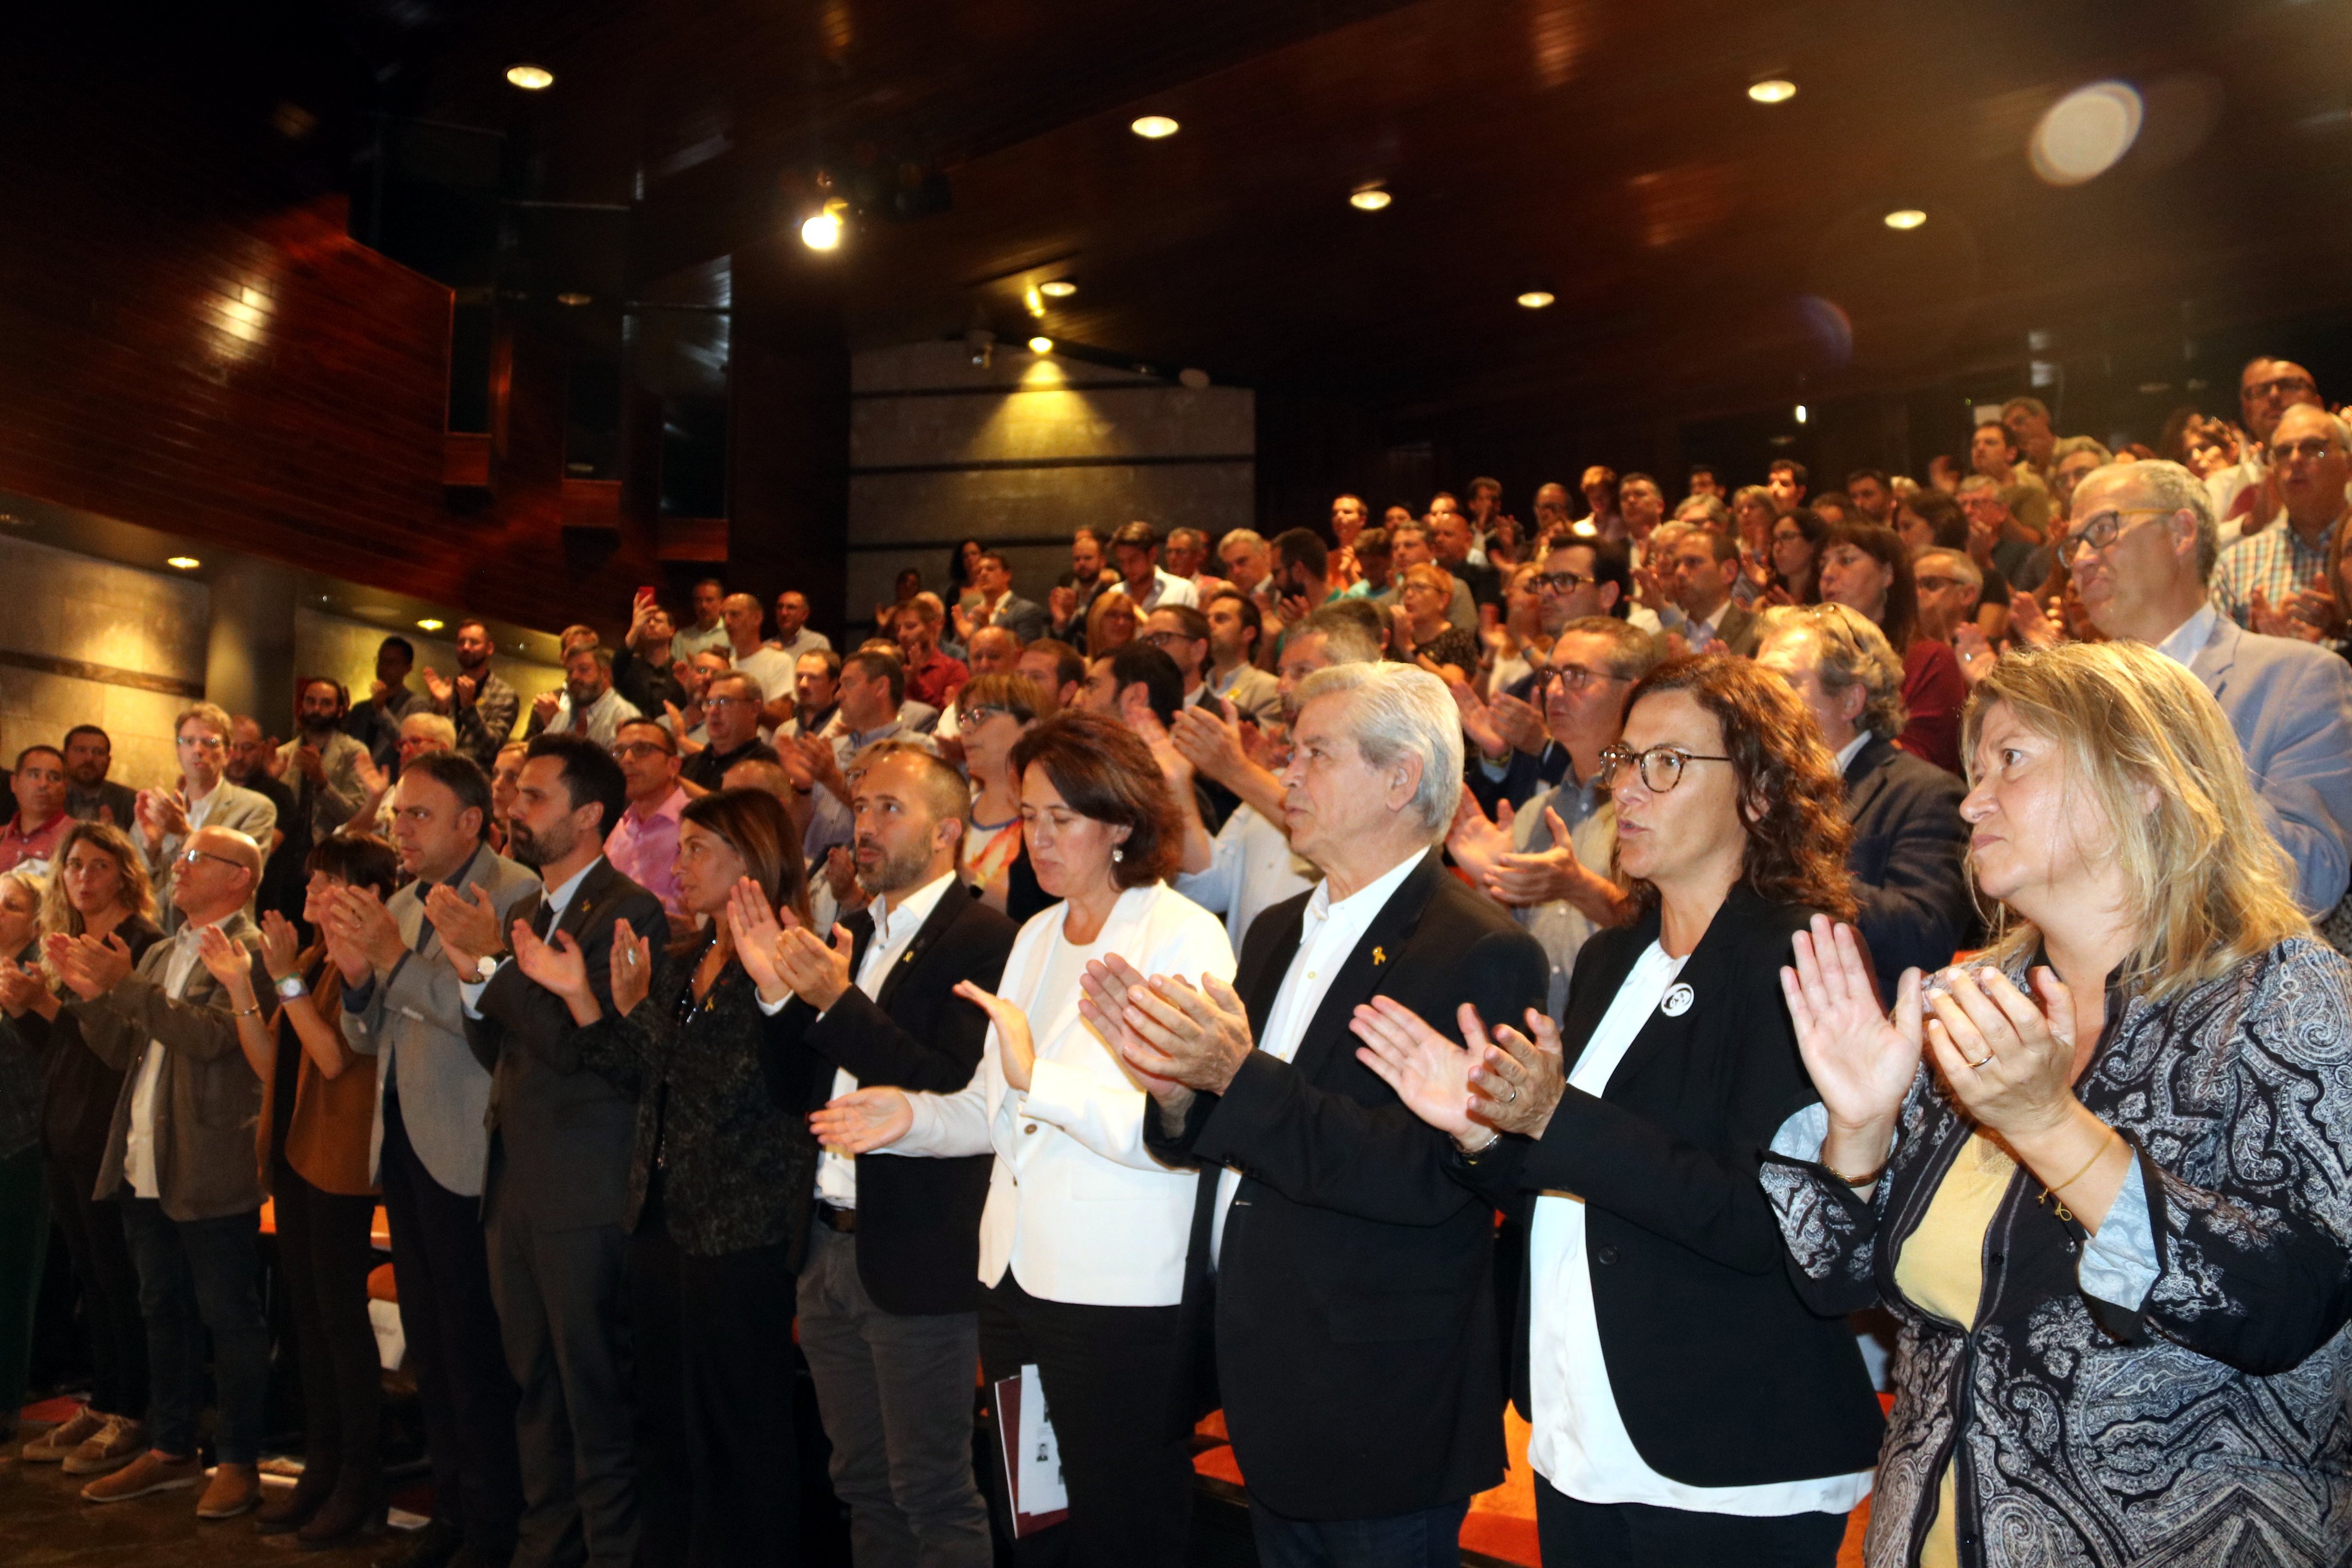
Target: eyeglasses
[[1574, 678], [2103, 530], [205, 743], [190, 857], [1938, 584], [2284, 386], [973, 718], [630, 751], [1661, 767], [1562, 582], [731, 702], [1161, 639], [2309, 451]]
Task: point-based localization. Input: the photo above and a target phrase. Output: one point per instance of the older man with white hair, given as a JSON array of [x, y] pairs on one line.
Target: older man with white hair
[[1357, 1339], [2141, 551]]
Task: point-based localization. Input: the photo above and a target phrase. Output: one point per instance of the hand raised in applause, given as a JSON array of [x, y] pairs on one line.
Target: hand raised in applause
[[557, 965], [227, 962], [631, 962], [862, 1121], [90, 968], [816, 974], [468, 925], [757, 934], [1861, 1060], [1016, 1052], [1177, 1032], [281, 946]]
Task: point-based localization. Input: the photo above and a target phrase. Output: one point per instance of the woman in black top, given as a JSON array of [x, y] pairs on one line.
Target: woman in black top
[[1438, 646], [720, 1190], [100, 887]]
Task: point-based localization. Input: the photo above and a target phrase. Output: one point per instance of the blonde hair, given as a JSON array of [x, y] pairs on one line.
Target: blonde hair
[[1854, 652], [2208, 887]]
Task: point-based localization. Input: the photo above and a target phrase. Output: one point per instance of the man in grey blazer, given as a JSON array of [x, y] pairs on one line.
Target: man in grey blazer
[[561, 1138], [2141, 548], [202, 734], [431, 1149]]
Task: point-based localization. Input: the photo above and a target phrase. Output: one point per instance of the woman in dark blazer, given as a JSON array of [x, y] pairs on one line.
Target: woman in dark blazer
[[718, 1194], [1686, 1407]]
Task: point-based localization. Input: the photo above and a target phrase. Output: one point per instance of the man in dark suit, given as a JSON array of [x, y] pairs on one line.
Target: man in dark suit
[[1706, 568], [1910, 846], [889, 1292], [1349, 1276], [560, 1136]]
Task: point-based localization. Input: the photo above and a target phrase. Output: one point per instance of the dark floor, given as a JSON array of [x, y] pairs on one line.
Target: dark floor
[[44, 1521]]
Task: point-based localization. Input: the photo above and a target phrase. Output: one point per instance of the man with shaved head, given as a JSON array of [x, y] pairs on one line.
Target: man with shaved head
[[770, 666]]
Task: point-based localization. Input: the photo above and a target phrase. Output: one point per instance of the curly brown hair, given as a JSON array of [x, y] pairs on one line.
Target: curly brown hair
[[1791, 798], [1104, 770]]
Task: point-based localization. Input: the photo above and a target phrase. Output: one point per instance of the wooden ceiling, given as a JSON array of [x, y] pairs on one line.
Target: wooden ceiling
[[1707, 252]]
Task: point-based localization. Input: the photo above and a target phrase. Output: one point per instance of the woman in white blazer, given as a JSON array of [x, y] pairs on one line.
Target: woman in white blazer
[[1083, 1238]]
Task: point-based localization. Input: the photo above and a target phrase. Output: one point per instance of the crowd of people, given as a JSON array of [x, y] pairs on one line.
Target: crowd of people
[[1915, 896]]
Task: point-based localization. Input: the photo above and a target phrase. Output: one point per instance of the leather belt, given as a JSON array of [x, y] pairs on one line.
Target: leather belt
[[838, 1219]]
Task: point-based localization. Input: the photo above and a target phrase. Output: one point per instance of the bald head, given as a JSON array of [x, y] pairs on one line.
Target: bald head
[[216, 874]]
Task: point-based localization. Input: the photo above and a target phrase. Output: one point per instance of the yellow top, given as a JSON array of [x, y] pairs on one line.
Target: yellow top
[[1941, 1269]]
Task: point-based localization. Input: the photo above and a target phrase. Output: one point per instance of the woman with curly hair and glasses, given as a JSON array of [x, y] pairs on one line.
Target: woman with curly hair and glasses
[[1686, 1405]]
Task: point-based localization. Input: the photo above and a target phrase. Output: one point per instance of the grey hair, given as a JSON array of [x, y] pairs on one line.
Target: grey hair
[[1346, 638], [2070, 444], [1854, 652], [2175, 489], [1249, 536], [1400, 710], [1709, 509], [1957, 562]]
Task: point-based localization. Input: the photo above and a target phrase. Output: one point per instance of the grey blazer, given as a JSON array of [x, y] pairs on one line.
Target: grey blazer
[[2291, 704], [412, 1020], [231, 806]]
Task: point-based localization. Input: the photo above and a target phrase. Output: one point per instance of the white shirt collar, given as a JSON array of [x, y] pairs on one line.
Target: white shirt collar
[[1851, 750], [913, 908], [559, 898], [2190, 635], [1365, 902]]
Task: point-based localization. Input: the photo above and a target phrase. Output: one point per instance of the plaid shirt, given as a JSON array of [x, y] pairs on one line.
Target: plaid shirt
[[2276, 560]]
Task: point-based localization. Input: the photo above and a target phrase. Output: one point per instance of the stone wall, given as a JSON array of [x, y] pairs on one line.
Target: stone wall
[[344, 650]]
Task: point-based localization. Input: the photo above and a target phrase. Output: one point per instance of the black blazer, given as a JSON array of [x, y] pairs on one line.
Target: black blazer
[[918, 1220], [561, 1132], [1910, 849], [1353, 1300], [1723, 1376]]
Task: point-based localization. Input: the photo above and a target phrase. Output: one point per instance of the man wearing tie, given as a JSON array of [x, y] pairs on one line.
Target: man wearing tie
[[560, 1149], [1349, 1275]]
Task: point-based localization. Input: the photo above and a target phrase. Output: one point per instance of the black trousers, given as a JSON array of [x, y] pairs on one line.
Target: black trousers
[[324, 1252], [1114, 1381], [1638, 1535], [719, 1475], [110, 1291], [443, 1266]]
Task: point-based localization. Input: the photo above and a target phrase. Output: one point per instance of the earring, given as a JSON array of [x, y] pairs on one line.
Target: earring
[[1116, 855]]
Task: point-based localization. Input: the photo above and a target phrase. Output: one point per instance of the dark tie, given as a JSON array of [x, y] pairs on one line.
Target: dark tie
[[540, 921]]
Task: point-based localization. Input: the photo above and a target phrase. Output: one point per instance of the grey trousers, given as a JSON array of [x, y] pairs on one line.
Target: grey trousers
[[895, 1394]]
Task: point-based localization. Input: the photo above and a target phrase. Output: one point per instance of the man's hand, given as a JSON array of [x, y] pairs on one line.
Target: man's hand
[[2031, 624], [543, 707], [370, 928], [1476, 844], [1062, 604], [437, 686], [1523, 879], [1975, 651], [822, 765], [1210, 742], [1521, 722], [312, 765], [2277, 622], [1174, 767], [1478, 722], [469, 927], [641, 620], [1197, 1036], [815, 973]]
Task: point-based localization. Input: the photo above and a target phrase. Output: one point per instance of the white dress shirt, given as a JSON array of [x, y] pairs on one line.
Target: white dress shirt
[[1331, 934], [139, 1141], [894, 925], [2190, 636], [1578, 1440], [1251, 868]]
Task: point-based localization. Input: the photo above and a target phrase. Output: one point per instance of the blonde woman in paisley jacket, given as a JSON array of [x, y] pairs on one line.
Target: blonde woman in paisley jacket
[[2103, 1173]]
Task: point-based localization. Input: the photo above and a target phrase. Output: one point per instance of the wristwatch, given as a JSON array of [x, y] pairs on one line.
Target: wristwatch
[[292, 986], [487, 968]]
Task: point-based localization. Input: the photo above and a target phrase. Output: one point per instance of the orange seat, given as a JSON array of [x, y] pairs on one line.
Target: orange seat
[[382, 1286]]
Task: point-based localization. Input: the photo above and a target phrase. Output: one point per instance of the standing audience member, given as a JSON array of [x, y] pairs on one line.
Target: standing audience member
[[932, 678], [168, 819], [1865, 568], [587, 706], [1059, 669], [1111, 623], [1135, 551], [644, 667], [816, 685], [1235, 628], [707, 632], [24, 1200], [731, 717], [91, 797], [321, 763], [375, 723], [1798, 537], [998, 709], [999, 604], [477, 699], [794, 638], [643, 845], [29, 838], [2284, 567]]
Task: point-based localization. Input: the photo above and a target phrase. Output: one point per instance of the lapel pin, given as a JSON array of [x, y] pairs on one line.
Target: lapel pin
[[1678, 1002], [1379, 955]]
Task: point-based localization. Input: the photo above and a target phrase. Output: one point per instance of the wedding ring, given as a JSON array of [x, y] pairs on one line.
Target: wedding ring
[[1987, 1057], [1514, 1099]]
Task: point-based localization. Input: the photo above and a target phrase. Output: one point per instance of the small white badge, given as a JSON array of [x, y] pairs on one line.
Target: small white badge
[[1677, 1002]]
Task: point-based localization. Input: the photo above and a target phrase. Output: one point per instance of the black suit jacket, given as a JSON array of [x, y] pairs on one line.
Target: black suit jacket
[[1353, 1301], [1723, 1376], [918, 1220], [1908, 858], [559, 1132]]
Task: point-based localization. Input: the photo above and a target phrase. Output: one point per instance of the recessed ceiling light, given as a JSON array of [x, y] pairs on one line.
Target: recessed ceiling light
[[1536, 299], [1772, 90], [1059, 288], [1041, 345], [1369, 198], [1801, 414], [1905, 217], [1152, 127], [821, 232], [572, 296], [530, 78], [429, 625], [185, 563]]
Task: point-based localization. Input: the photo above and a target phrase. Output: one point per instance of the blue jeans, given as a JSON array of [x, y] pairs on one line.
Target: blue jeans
[[195, 1275], [1427, 1538]]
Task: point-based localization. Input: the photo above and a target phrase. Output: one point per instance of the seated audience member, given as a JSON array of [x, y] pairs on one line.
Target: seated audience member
[[1994, 527], [730, 718], [993, 650], [168, 819], [991, 857], [770, 666], [1642, 506], [1909, 842], [1652, 1285], [903, 588], [1784, 482], [477, 698], [1866, 568], [1374, 559], [1951, 591], [1549, 860], [1450, 543], [816, 680], [181, 1159], [1511, 649], [2140, 553], [1831, 506], [643, 845], [1135, 552], [2076, 456], [932, 678], [1424, 634], [587, 706], [1798, 538], [2060, 1205], [642, 669], [1602, 519], [90, 796], [1753, 508], [1411, 546], [1111, 623], [29, 838], [1058, 667], [1706, 567], [329, 771], [794, 637], [689, 722], [24, 1204], [2284, 566], [999, 606], [1069, 605], [1993, 455], [375, 723], [2028, 422], [1087, 1291], [1236, 626]]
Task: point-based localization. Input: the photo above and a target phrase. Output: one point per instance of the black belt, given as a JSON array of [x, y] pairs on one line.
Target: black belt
[[839, 1219]]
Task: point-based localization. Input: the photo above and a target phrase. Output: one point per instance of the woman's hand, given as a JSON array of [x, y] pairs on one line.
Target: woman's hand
[[756, 933], [1975, 651], [20, 988], [1518, 1081], [862, 1121], [632, 968], [229, 964], [281, 946], [1429, 1072], [1862, 1062], [1015, 1051], [2011, 1062]]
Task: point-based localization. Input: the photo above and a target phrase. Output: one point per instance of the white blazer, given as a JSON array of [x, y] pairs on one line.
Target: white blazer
[[1077, 1207]]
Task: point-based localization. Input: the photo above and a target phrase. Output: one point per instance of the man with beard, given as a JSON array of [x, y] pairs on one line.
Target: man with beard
[[587, 706], [560, 1136], [322, 763], [90, 796], [889, 1293], [478, 701]]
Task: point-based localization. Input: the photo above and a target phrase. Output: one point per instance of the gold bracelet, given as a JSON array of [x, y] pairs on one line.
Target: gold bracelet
[[2105, 1144]]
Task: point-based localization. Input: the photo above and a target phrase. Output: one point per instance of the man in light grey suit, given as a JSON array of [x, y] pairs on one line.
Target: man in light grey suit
[[203, 733], [2141, 548], [431, 1148]]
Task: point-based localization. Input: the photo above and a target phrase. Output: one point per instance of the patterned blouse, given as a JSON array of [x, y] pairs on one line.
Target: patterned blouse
[[2191, 1411]]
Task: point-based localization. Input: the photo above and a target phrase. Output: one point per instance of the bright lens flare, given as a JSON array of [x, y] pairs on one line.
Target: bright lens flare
[[1152, 127], [1041, 345], [2086, 132], [1905, 217], [530, 78], [1535, 298], [1773, 91], [821, 232]]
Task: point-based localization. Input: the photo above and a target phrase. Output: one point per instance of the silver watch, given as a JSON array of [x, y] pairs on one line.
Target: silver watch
[[486, 969]]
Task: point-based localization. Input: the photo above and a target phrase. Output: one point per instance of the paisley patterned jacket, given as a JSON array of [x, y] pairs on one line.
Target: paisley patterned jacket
[[2205, 1421]]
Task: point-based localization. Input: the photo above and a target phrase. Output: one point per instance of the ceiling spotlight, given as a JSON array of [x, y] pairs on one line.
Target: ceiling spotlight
[[1536, 299], [429, 625], [572, 296], [1059, 288], [185, 563], [1035, 300], [1773, 90], [530, 78], [1905, 217], [823, 231], [1370, 198], [1152, 127], [1041, 344], [1801, 414]]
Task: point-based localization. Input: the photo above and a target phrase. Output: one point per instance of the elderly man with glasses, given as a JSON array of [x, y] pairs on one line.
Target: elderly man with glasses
[[2284, 568]]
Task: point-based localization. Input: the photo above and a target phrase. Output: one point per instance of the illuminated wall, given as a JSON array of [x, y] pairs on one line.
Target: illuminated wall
[[344, 650]]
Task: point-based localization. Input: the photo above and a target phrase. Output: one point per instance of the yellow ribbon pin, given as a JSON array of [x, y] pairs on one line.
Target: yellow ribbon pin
[[1379, 955]]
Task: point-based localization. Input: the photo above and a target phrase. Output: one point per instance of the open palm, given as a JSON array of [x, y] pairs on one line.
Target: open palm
[[1861, 1060], [1429, 1072]]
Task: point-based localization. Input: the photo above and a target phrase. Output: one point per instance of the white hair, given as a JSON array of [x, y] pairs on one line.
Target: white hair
[[1399, 710], [2174, 488]]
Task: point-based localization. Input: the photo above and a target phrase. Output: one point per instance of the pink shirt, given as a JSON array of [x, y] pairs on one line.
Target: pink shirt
[[644, 849]]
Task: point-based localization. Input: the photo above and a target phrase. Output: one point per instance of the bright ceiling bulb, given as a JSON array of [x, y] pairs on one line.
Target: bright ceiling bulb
[[1905, 217], [185, 563], [1801, 414], [1059, 288], [821, 232], [1536, 299], [1774, 90], [530, 78], [2085, 132], [1041, 345], [1369, 198], [430, 625], [1152, 127]]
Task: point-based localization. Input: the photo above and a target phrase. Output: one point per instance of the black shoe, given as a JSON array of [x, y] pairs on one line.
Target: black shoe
[[355, 1509], [290, 1510], [431, 1547]]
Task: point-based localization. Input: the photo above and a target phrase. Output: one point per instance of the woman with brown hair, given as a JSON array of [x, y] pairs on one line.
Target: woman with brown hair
[[100, 887], [319, 1120], [1794, 553], [1422, 633], [720, 1182], [996, 710], [1866, 568], [1655, 1289], [1083, 1243]]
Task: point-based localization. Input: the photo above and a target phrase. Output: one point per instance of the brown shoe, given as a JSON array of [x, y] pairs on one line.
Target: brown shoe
[[235, 1490], [118, 1442], [52, 1446], [150, 1472]]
